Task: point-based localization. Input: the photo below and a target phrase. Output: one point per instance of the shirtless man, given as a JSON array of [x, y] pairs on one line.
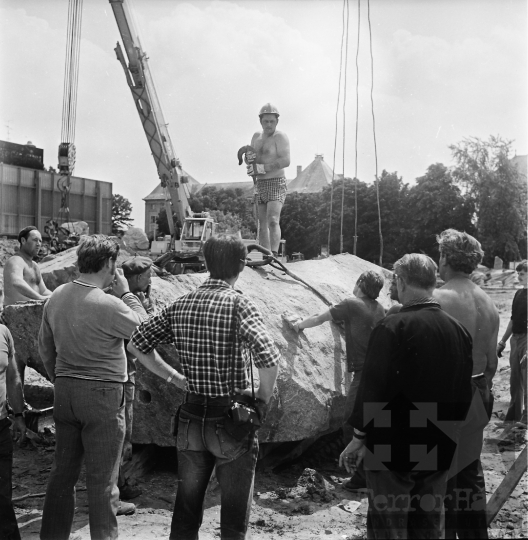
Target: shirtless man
[[273, 156], [465, 503], [22, 278]]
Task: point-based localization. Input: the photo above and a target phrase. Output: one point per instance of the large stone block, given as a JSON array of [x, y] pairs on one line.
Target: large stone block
[[23, 321], [62, 268], [312, 381]]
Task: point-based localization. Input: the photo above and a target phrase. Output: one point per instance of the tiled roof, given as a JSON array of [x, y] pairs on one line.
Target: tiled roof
[[314, 178]]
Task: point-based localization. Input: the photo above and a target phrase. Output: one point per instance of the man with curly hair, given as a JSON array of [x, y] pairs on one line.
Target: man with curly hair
[[460, 254]]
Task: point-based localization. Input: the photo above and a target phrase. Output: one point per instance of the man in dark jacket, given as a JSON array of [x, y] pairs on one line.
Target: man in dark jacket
[[416, 386]]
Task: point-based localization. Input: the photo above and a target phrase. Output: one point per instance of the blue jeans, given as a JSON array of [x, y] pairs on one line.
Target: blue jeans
[[90, 423], [202, 444], [8, 522]]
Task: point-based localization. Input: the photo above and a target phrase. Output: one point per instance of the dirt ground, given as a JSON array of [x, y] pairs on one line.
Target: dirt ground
[[306, 500]]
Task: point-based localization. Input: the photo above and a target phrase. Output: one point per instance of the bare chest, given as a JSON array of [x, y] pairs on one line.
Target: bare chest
[[31, 276], [266, 147]]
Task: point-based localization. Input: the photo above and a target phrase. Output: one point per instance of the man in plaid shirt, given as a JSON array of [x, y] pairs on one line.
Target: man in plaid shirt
[[199, 324]]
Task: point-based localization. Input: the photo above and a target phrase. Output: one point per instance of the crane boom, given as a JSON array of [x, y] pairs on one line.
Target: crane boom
[[141, 85]]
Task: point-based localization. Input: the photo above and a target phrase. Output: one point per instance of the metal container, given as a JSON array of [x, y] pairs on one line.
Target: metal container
[[31, 197]]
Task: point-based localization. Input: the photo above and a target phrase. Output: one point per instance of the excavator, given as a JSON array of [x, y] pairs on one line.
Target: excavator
[[194, 229]]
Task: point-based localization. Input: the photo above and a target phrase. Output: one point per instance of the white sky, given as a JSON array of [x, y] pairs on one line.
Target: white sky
[[443, 70]]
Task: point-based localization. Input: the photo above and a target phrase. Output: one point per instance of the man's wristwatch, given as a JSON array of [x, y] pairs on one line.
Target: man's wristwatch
[[502, 343]]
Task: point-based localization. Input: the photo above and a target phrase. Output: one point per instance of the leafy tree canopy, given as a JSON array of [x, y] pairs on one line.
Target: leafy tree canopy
[[121, 210]]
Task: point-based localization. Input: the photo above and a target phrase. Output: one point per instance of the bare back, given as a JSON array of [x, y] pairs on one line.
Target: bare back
[[474, 309], [270, 149], [16, 268]]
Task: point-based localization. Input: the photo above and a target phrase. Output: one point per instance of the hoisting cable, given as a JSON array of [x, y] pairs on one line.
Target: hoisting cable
[[374, 132], [344, 129], [69, 106], [357, 125], [336, 125]]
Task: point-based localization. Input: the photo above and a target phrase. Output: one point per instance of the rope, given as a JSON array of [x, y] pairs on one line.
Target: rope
[[357, 126], [71, 71], [374, 132], [336, 123], [344, 130]]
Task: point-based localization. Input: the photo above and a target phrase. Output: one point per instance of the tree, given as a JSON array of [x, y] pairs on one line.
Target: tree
[[121, 210], [300, 223], [437, 204], [491, 180]]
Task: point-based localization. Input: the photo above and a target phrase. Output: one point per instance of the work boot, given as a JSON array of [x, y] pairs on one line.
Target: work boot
[[126, 493], [126, 508]]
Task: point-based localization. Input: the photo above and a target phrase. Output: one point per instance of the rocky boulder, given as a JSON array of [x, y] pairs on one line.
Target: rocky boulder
[[312, 381], [23, 321], [62, 268]]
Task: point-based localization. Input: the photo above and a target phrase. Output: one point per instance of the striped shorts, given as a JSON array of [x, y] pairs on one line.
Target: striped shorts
[[271, 189]]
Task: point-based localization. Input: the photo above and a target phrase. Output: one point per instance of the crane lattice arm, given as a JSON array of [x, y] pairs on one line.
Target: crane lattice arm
[[141, 84]]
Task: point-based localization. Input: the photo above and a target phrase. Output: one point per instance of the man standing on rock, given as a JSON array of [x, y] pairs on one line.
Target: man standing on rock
[[22, 278], [517, 331], [204, 326], [81, 346], [272, 149], [360, 315], [11, 387], [416, 386], [137, 273], [460, 254]]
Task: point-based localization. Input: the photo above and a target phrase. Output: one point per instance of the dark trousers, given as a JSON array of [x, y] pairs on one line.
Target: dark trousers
[[90, 425], [8, 522], [348, 431], [405, 504], [518, 395], [130, 390], [465, 502], [202, 445]]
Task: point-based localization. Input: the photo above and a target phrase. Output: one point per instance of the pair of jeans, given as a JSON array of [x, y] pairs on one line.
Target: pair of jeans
[[518, 395], [465, 502], [405, 504], [8, 522], [202, 445], [90, 425], [130, 391]]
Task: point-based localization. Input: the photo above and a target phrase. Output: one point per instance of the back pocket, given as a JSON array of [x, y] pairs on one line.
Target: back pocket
[[229, 447]]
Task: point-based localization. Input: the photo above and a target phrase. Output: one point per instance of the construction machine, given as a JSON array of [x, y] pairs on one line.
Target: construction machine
[[192, 229], [186, 244]]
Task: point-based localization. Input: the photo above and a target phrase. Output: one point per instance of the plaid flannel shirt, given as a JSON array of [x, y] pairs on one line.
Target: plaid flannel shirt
[[199, 325]]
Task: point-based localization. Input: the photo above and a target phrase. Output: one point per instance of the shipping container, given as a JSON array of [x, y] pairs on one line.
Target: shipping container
[[31, 197]]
